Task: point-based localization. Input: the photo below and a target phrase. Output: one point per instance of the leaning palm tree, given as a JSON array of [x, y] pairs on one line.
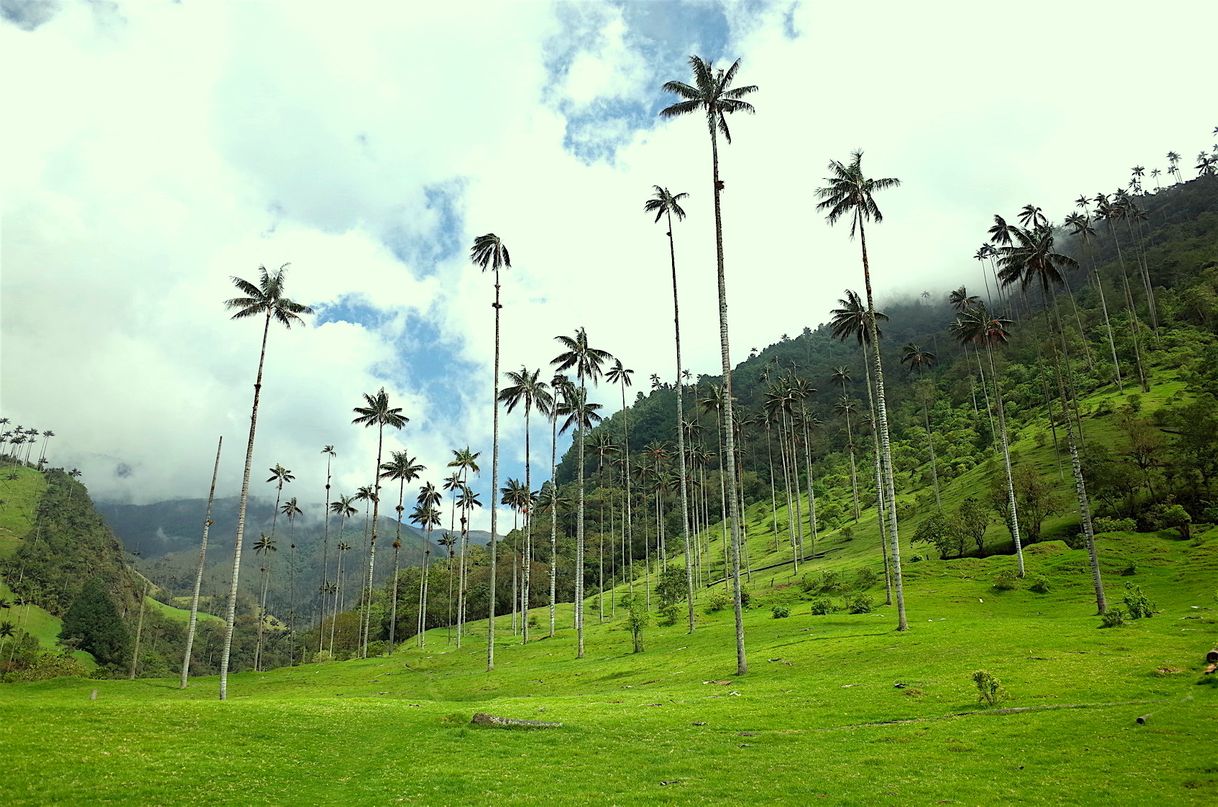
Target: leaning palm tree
[[194, 602], [377, 412], [527, 388], [666, 204], [979, 326], [850, 193], [712, 94], [1080, 227], [489, 252], [586, 361], [264, 299], [1174, 159]]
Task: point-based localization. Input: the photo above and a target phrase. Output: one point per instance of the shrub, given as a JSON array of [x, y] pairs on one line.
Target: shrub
[[1112, 618], [745, 598], [1130, 570], [322, 657], [1139, 604], [1040, 586], [636, 618], [1006, 581], [865, 578], [780, 611], [1172, 516], [717, 602], [671, 590], [859, 604], [989, 689], [829, 582], [1106, 524], [847, 533], [822, 606]]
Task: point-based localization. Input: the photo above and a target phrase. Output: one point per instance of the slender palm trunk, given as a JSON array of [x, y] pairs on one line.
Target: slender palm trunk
[[684, 482], [1078, 319], [490, 619], [231, 619], [742, 666], [325, 564], [1006, 459], [984, 390], [266, 578], [773, 497], [397, 544], [880, 499], [194, 602], [1099, 285], [554, 511], [1134, 325], [528, 524], [786, 485], [338, 590], [139, 630], [934, 465], [885, 445], [421, 627], [799, 517], [579, 526], [366, 618], [808, 470]]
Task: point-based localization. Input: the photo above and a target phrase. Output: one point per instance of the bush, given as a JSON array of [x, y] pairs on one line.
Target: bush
[[636, 618], [865, 578], [1112, 618], [1130, 570], [1006, 581], [847, 533], [745, 598], [1105, 524], [1040, 586], [1172, 516], [829, 582], [989, 689], [1139, 604], [859, 604], [780, 611], [822, 606], [671, 590], [717, 602], [322, 657]]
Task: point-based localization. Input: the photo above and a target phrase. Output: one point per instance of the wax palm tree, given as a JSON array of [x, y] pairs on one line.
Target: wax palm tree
[[290, 510], [266, 299], [841, 376], [344, 508], [464, 461], [527, 388], [263, 547], [339, 577], [666, 204], [961, 300], [1080, 227], [586, 361], [194, 602], [46, 436], [377, 412], [849, 193], [328, 450], [452, 486], [1173, 160], [712, 94], [489, 252], [619, 374], [1033, 259], [401, 468], [1111, 213], [979, 327], [551, 499], [920, 361], [1154, 174], [426, 516]]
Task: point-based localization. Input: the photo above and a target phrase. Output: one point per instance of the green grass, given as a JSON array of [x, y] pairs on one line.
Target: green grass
[[40, 624], [19, 499], [179, 614], [819, 715]]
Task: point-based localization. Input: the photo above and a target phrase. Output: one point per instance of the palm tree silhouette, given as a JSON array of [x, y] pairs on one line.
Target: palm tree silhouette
[[401, 468], [266, 299], [194, 602], [920, 361], [328, 450], [263, 547]]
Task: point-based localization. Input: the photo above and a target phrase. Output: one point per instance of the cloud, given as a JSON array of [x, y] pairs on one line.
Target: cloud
[[164, 148]]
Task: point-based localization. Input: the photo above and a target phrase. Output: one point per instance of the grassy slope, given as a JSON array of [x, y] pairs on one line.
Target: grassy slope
[[19, 503], [179, 614]]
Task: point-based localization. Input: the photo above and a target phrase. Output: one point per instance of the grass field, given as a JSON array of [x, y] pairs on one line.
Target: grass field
[[839, 708]]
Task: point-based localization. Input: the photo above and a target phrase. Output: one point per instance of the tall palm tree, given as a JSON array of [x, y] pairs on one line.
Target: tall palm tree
[[194, 601], [46, 436], [426, 516], [344, 508], [562, 390], [666, 204], [979, 326], [586, 361], [1174, 159], [265, 299], [489, 252], [464, 460], [526, 387], [263, 547], [619, 374], [377, 412], [516, 497], [291, 509], [1080, 227], [328, 450], [920, 361], [841, 375], [712, 94], [343, 548], [850, 193], [551, 499], [401, 468], [452, 485], [1110, 213]]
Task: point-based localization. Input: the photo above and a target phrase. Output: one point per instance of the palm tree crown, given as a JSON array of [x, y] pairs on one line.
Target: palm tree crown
[[711, 93], [266, 298]]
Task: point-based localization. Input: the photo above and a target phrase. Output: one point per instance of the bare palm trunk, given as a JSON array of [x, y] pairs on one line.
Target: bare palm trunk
[[885, 446], [1006, 458], [554, 510], [528, 525], [490, 619], [808, 469], [786, 485], [934, 465], [773, 498], [266, 576], [325, 564], [1134, 325], [880, 499], [799, 517], [376, 504], [579, 525], [194, 602], [393, 608], [139, 630], [231, 619], [742, 665], [1099, 285], [684, 482]]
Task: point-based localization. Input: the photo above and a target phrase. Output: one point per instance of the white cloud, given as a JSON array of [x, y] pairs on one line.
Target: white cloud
[[167, 147]]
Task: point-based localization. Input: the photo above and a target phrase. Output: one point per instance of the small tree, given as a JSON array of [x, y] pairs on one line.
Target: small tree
[[972, 518], [94, 624], [671, 591], [636, 619], [936, 530]]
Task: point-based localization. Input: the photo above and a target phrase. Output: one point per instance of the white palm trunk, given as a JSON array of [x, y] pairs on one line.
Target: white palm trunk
[[194, 601]]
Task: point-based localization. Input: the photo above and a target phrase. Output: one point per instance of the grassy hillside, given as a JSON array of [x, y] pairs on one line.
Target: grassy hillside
[[838, 707]]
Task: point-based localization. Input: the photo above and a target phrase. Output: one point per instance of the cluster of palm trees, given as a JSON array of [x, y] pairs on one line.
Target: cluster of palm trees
[[18, 443]]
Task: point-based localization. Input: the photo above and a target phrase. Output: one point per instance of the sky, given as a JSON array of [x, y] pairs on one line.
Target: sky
[[154, 150]]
